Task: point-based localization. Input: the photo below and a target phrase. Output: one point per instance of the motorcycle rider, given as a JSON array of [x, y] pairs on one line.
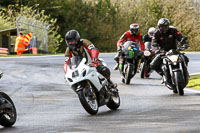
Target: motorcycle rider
[[165, 38], [85, 48], [148, 37], [132, 35]]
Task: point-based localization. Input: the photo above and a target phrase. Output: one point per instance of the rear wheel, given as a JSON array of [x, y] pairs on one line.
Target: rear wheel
[[179, 82], [114, 102], [8, 114], [88, 100]]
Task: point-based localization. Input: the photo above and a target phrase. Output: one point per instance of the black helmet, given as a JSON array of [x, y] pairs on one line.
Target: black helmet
[[72, 39], [134, 29], [163, 25]]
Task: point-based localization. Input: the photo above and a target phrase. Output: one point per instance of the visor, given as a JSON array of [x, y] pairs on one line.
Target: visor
[[151, 34], [163, 28], [71, 42], [134, 31]]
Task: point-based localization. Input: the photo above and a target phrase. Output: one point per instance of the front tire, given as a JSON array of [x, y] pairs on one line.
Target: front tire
[[9, 115], [179, 82], [143, 70], [89, 102], [128, 74]]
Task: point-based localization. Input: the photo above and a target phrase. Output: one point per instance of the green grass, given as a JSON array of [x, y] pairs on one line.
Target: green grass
[[194, 82]]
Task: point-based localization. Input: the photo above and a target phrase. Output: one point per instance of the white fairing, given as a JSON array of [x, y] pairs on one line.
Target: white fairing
[[85, 72]]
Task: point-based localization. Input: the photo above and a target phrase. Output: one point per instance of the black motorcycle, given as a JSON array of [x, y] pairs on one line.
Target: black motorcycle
[[130, 56], [8, 113], [175, 70], [148, 56]]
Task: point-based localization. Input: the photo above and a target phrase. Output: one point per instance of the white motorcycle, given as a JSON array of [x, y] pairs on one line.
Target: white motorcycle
[[92, 87]]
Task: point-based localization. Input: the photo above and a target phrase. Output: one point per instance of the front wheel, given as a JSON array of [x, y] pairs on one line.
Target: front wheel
[[179, 82], [143, 70], [114, 102], [88, 100], [8, 114], [128, 74]]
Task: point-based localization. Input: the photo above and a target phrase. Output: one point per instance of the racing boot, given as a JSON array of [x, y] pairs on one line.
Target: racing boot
[[116, 67], [160, 72], [112, 86]]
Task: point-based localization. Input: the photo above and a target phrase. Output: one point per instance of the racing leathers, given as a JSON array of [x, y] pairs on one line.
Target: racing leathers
[[127, 36], [87, 49]]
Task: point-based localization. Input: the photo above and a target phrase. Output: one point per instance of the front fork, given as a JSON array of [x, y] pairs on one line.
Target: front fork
[[87, 86]]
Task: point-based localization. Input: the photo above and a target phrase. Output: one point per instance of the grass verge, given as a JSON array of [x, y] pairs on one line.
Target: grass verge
[[194, 82]]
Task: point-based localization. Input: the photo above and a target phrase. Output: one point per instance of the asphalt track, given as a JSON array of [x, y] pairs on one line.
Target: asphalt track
[[45, 104]]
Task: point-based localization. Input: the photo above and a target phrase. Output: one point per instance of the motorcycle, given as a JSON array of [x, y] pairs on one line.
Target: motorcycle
[[8, 114], [175, 69], [91, 87], [148, 56], [129, 59]]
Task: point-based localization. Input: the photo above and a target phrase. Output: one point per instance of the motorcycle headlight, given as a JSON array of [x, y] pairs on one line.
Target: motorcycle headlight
[[173, 58], [147, 53], [75, 74]]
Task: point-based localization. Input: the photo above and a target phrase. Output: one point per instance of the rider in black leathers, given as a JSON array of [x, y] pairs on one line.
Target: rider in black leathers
[[165, 38]]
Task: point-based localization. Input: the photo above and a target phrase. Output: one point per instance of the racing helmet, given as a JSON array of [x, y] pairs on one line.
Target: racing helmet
[[163, 25], [151, 31], [134, 28], [72, 39]]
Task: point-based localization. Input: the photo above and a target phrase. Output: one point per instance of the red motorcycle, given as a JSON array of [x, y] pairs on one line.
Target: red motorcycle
[[148, 56]]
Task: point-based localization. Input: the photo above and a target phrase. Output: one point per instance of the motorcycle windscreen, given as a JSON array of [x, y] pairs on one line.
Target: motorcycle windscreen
[[75, 61]]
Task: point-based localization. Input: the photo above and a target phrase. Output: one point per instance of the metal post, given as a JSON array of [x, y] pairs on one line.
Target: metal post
[[47, 28], [17, 24]]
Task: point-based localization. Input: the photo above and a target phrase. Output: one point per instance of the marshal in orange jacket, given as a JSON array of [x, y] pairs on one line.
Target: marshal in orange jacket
[[20, 44]]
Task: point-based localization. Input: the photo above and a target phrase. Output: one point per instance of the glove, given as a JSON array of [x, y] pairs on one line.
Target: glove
[[119, 48], [95, 62], [66, 59], [185, 46]]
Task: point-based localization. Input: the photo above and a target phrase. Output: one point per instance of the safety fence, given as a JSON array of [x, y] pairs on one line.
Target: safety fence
[[39, 31]]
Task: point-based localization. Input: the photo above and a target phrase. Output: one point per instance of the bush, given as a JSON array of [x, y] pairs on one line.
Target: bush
[[182, 14]]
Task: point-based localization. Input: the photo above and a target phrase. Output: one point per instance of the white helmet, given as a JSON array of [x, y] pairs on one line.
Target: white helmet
[[151, 31]]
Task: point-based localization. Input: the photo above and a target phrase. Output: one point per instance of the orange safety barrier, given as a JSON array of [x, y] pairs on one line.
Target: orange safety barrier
[[3, 51], [34, 50]]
